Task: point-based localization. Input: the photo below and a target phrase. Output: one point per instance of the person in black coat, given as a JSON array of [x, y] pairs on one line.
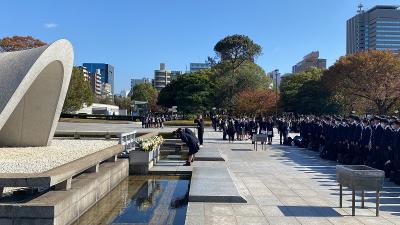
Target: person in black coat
[[270, 130], [365, 142], [191, 141], [231, 130], [200, 129]]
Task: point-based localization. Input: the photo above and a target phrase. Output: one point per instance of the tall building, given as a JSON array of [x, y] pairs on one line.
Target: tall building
[[275, 77], [175, 74], [198, 66], [85, 72], [144, 80], [375, 29], [161, 77], [310, 60], [106, 72], [95, 82]]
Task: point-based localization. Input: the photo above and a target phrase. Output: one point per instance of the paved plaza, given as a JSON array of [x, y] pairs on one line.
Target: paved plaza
[[287, 185]]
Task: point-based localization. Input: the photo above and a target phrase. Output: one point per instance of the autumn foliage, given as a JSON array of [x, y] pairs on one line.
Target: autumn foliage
[[18, 43], [367, 81], [255, 102]]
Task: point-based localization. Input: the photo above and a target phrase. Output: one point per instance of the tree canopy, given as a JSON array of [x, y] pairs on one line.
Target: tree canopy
[[304, 93], [146, 92], [237, 49], [254, 102], [79, 92], [18, 43], [191, 93], [366, 79]]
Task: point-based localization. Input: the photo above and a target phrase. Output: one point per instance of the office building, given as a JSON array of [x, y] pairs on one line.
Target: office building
[[175, 74], [375, 29], [144, 80], [95, 82], [275, 77], [199, 66], [161, 77], [310, 60], [106, 72], [85, 72]]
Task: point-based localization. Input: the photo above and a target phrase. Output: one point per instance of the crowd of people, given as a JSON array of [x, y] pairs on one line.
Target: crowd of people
[[153, 121], [373, 141], [240, 129]]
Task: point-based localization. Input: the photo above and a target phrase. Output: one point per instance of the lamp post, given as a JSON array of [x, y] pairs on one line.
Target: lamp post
[[276, 73]]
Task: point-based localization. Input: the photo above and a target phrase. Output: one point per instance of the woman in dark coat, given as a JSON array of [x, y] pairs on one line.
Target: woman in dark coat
[[270, 130], [231, 130], [192, 142]]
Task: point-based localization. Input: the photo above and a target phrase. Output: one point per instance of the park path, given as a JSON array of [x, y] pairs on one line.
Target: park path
[[287, 185]]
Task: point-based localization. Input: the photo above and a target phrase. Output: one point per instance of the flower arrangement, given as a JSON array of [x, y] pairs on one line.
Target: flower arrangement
[[149, 144]]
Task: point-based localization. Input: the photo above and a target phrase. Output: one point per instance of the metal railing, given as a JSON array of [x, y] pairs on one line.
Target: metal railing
[[128, 141]]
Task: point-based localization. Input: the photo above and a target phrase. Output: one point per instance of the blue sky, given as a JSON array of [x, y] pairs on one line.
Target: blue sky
[[135, 36]]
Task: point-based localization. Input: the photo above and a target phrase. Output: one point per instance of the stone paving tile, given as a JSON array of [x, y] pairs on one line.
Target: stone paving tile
[[347, 220], [195, 209], [220, 220], [245, 220], [273, 210], [313, 221], [194, 220], [246, 210], [218, 209], [283, 221]]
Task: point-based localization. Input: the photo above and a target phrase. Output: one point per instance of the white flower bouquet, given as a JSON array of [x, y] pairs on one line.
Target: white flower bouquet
[[149, 144]]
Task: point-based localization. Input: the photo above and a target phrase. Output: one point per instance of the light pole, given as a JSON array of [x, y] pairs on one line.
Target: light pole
[[276, 72]]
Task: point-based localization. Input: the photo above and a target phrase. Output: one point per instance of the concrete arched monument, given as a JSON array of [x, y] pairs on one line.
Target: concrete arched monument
[[33, 86]]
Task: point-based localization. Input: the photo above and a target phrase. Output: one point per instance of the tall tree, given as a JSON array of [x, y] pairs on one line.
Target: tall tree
[[146, 92], [18, 43], [237, 49], [123, 103], [367, 78], [290, 86], [255, 102], [79, 92], [249, 76], [191, 93]]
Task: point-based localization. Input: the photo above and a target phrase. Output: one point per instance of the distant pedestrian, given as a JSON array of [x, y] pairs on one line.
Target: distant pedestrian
[[200, 129]]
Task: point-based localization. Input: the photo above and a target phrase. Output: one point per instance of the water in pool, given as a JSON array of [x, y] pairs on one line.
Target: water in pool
[[142, 200]]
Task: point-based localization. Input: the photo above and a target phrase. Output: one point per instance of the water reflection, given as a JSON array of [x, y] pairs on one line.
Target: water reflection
[[142, 200]]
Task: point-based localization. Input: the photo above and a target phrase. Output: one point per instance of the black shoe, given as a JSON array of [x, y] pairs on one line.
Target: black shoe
[[187, 164]]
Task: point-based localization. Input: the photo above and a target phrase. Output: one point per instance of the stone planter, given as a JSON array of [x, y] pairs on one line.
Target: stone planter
[[140, 162]]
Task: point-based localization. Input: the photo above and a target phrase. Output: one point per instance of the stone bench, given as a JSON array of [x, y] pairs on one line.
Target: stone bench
[[61, 176]]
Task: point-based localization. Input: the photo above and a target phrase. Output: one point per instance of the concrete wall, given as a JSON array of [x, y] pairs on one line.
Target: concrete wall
[[64, 207]]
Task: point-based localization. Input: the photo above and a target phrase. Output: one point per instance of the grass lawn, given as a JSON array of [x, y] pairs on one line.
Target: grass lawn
[[76, 120]]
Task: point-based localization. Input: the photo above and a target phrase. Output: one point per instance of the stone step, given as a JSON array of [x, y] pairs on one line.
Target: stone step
[[210, 184], [207, 154]]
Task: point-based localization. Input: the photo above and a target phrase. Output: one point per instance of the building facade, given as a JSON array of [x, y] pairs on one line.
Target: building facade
[[95, 82], [310, 60], [375, 29], [161, 77], [106, 72], [85, 72], [199, 66], [175, 74], [144, 80], [275, 77]]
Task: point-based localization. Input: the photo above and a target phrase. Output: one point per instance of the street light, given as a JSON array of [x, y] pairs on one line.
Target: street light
[[276, 73]]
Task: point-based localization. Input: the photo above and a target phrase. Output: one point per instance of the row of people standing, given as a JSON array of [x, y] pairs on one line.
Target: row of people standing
[[153, 121], [244, 128], [373, 141]]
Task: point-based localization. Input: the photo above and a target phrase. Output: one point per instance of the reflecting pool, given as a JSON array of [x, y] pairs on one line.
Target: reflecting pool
[[142, 200]]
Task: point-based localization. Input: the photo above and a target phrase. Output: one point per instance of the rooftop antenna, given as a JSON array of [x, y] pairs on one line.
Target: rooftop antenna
[[360, 8]]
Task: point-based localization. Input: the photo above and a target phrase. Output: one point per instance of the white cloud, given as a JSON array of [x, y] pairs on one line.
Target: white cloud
[[50, 25]]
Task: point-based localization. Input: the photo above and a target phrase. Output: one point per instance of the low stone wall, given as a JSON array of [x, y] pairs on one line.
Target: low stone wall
[[64, 207]]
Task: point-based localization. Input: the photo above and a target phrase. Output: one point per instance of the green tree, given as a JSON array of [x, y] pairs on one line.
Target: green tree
[[237, 49], [191, 93], [305, 93], [79, 92], [146, 92], [249, 76], [123, 103]]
